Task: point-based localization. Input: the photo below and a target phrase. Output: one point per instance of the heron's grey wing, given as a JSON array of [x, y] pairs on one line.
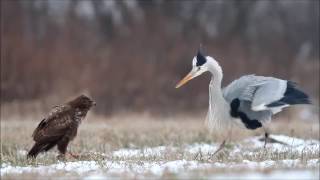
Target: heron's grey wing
[[242, 88], [254, 93], [271, 91], [258, 90]]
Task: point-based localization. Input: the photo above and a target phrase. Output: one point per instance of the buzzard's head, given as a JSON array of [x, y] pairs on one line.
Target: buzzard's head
[[82, 102]]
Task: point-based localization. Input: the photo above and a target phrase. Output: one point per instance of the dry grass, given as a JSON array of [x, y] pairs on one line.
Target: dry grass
[[99, 136]]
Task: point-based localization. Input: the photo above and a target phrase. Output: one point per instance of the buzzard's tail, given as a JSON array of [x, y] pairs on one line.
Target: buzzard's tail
[[35, 150], [38, 147]]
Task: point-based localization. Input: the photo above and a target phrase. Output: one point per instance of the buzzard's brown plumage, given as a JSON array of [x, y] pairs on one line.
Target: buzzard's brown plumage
[[60, 126]]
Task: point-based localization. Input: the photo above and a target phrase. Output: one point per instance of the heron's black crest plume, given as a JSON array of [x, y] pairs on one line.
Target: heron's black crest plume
[[200, 59]]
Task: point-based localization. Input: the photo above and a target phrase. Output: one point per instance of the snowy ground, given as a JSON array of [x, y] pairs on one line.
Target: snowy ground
[[277, 161]]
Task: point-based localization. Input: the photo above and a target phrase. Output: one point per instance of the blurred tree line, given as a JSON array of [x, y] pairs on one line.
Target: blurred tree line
[[129, 54]]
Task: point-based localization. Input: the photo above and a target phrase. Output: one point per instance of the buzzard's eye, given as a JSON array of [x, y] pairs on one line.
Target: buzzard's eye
[[199, 68]]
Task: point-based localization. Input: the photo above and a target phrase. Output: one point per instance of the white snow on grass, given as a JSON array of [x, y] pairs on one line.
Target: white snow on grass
[[160, 151], [81, 167], [288, 175], [22, 152], [201, 147], [291, 143], [146, 152], [122, 163], [156, 168]]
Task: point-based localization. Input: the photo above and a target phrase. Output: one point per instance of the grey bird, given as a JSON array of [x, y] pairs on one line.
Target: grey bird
[[249, 101]]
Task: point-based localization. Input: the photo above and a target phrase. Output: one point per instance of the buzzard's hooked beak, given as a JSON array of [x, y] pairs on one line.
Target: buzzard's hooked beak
[[94, 103]]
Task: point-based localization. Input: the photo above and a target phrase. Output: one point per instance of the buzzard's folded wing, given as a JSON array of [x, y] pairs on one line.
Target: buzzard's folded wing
[[55, 125]]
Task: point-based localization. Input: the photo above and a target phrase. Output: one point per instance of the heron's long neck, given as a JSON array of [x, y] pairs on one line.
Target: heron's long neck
[[216, 79], [218, 113], [217, 100]]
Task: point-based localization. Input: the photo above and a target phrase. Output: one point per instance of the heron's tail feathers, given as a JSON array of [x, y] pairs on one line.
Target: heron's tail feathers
[[292, 96]]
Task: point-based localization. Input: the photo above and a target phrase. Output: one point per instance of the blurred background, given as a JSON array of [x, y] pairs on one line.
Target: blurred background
[[128, 55]]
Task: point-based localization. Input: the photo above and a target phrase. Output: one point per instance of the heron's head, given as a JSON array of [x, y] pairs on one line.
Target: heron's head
[[199, 66]]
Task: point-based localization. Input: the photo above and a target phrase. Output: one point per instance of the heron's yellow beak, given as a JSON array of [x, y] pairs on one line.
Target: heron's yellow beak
[[183, 81]]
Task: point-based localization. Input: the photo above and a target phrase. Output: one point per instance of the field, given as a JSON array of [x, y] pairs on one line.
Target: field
[[180, 147]]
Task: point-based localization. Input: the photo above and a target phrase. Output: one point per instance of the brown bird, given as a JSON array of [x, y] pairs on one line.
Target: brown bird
[[60, 126]]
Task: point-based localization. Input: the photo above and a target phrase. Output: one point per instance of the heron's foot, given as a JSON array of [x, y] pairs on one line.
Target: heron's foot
[[222, 145], [271, 140]]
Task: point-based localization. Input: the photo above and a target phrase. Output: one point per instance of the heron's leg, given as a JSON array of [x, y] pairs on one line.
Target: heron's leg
[[222, 145], [226, 137], [266, 136], [269, 139]]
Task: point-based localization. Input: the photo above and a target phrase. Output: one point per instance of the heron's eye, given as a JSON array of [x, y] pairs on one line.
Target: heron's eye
[[199, 68]]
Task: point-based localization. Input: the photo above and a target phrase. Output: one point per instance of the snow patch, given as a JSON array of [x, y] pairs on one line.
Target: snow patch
[[146, 152], [156, 168], [107, 168], [291, 143], [22, 152], [300, 174], [203, 148]]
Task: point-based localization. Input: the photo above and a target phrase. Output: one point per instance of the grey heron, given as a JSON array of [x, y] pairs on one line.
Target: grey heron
[[249, 101]]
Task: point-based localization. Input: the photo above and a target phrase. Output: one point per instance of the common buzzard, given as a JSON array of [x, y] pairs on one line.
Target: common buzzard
[[60, 126]]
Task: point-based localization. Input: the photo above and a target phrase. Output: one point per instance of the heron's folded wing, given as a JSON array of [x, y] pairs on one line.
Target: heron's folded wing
[[258, 90], [272, 91], [243, 88]]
